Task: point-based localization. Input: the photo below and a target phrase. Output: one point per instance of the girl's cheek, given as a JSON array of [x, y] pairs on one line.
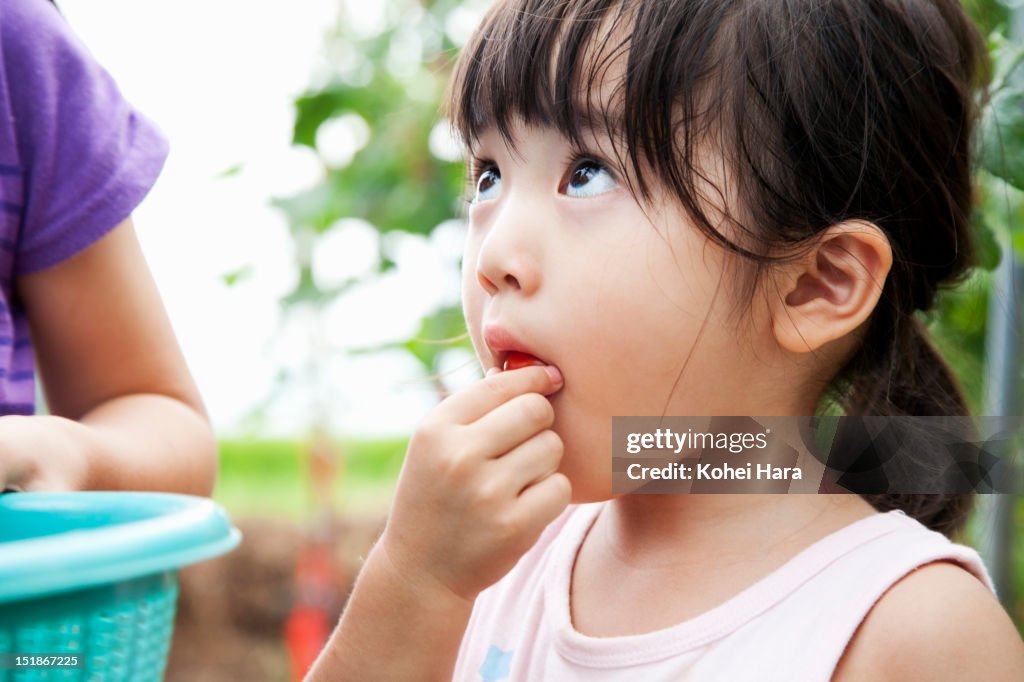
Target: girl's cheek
[[472, 294], [469, 258], [472, 304]]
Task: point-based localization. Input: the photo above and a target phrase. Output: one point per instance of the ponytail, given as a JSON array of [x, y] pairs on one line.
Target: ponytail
[[909, 378]]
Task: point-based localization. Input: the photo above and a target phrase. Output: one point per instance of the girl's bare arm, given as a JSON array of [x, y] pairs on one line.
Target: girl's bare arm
[[477, 488], [395, 627], [937, 623]]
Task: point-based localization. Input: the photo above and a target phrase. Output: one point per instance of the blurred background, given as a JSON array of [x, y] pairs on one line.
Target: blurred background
[[311, 165]]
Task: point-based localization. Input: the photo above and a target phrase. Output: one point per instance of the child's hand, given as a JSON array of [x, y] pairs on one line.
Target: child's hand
[[479, 484], [36, 453]]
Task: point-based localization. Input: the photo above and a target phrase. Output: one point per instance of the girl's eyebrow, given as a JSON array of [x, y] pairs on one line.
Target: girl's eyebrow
[[598, 121], [585, 119], [589, 129]]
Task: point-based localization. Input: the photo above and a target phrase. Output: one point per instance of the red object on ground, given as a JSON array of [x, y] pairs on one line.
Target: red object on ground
[[309, 624], [305, 633]]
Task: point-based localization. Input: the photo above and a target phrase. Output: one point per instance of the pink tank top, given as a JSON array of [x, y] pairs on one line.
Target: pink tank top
[[792, 625]]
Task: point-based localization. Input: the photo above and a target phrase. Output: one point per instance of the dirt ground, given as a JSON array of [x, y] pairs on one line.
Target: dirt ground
[[232, 610]]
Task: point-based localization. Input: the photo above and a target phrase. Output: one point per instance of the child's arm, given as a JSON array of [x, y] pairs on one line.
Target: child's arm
[[477, 488], [125, 413], [937, 623], [395, 627]]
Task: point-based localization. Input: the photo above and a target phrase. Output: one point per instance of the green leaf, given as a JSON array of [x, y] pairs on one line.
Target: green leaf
[[235, 276], [1006, 56], [440, 331], [1002, 136], [989, 252], [314, 108], [317, 208], [998, 218], [231, 171], [1018, 243]]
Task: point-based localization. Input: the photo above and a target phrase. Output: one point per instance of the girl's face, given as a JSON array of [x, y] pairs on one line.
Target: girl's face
[[629, 302]]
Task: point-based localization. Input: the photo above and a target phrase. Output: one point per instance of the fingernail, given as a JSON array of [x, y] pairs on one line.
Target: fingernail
[[556, 376]]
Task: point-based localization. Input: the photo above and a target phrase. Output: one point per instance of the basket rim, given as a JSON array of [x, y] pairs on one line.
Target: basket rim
[[143, 533]]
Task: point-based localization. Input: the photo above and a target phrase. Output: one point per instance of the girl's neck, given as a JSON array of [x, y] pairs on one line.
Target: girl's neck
[[652, 561], [663, 530]]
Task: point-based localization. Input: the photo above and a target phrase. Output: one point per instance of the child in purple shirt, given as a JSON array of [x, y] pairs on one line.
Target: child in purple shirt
[[77, 302]]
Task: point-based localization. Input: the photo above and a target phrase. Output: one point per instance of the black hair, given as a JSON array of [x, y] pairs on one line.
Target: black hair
[[824, 112]]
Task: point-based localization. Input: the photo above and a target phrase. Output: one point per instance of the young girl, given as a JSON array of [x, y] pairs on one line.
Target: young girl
[[694, 208], [77, 302]]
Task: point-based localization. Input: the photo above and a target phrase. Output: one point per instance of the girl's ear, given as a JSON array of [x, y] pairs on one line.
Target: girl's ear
[[831, 290]]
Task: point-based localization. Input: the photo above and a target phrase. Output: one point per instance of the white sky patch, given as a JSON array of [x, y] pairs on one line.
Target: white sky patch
[[443, 142], [339, 139], [366, 19], [463, 21], [348, 250]]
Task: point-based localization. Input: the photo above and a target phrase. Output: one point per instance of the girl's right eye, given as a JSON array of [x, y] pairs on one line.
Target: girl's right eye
[[488, 184]]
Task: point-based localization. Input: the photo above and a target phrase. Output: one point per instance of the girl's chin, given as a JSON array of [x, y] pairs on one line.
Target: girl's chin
[[591, 496], [589, 486]]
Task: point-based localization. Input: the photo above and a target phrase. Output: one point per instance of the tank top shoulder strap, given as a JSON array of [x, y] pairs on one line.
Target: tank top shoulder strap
[[843, 592]]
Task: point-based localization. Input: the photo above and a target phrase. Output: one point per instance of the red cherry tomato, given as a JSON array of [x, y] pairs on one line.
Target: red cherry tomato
[[517, 360]]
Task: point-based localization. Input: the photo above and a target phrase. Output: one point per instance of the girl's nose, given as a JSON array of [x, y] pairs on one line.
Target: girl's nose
[[508, 260]]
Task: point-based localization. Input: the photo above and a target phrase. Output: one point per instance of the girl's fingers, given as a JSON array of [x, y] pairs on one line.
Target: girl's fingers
[[529, 462], [511, 423], [468, 405], [541, 503]]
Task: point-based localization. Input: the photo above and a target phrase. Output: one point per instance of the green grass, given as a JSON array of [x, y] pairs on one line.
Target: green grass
[[271, 477]]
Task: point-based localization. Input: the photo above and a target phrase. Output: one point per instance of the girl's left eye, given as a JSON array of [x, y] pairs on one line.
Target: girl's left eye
[[488, 184], [588, 178]]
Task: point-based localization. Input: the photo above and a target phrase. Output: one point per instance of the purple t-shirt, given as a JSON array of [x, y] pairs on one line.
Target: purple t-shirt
[[75, 160]]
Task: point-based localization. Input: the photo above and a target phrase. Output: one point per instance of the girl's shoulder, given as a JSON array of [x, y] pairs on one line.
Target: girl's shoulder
[[939, 622]]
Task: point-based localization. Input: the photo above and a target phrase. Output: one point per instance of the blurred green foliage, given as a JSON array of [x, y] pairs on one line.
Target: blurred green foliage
[[958, 321], [370, 120], [270, 478], [392, 180]]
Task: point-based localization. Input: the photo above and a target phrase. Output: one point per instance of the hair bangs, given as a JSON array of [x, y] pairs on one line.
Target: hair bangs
[[544, 64]]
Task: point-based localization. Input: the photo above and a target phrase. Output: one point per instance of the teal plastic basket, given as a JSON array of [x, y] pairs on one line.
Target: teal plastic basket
[[89, 580]]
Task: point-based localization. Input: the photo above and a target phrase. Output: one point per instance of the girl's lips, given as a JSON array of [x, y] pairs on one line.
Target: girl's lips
[[507, 350], [509, 353]]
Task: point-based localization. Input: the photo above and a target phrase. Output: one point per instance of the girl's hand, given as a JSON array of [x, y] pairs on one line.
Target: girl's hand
[[38, 453], [478, 485]]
